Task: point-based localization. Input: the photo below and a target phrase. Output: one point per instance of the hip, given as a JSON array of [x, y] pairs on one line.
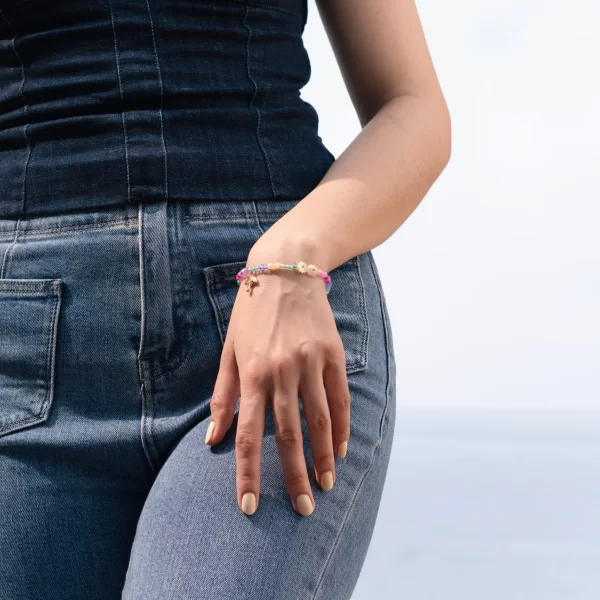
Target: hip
[[112, 299]]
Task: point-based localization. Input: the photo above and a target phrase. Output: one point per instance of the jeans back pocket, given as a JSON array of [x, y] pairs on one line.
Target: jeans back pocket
[[29, 310], [346, 298]]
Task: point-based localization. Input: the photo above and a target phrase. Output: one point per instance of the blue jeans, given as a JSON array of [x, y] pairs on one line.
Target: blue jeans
[[112, 322]]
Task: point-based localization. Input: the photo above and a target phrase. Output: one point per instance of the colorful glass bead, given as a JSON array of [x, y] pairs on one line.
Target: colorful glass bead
[[249, 273]]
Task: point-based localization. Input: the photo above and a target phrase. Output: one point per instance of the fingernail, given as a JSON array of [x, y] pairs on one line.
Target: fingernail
[[326, 481], [342, 449], [209, 432], [304, 504], [249, 503]]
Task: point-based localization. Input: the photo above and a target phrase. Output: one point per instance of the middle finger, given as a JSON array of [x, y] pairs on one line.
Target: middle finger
[[288, 433]]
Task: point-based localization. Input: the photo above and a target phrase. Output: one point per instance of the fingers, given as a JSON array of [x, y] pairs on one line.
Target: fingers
[[224, 398], [248, 444], [338, 395], [322, 383], [316, 410], [288, 434]]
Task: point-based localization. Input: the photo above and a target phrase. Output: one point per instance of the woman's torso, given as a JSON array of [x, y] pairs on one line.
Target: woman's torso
[[105, 102]]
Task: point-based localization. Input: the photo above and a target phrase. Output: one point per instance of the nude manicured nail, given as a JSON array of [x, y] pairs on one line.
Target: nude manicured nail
[[326, 482], [209, 432], [249, 503], [342, 449], [304, 504]]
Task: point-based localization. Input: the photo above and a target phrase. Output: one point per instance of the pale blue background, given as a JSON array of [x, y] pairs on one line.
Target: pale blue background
[[493, 288], [489, 506]]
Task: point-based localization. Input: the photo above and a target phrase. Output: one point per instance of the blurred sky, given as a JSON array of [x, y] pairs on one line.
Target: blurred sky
[[493, 284], [481, 507]]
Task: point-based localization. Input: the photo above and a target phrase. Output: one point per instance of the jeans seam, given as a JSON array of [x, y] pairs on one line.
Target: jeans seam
[[256, 109], [51, 352], [8, 249], [345, 520], [227, 218], [25, 108], [145, 440], [11, 294], [160, 110], [155, 371], [57, 231], [257, 217], [123, 119], [376, 448], [387, 335]]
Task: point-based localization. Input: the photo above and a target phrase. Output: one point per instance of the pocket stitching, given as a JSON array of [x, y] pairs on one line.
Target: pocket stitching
[[53, 232], [211, 278], [363, 360], [44, 411]]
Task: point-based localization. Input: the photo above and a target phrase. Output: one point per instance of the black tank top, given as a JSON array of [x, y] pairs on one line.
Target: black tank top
[[104, 102]]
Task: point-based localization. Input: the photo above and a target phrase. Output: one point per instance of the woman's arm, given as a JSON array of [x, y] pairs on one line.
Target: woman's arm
[[379, 180], [282, 341]]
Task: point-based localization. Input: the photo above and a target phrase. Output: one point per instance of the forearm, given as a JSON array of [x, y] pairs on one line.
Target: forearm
[[369, 191]]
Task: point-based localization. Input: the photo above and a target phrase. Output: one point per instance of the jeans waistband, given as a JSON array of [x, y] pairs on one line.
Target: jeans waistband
[[253, 212]]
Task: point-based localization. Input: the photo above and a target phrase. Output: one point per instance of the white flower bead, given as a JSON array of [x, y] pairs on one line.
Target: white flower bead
[[301, 266], [312, 269]]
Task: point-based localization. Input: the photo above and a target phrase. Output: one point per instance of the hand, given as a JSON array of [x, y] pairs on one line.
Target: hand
[[282, 342]]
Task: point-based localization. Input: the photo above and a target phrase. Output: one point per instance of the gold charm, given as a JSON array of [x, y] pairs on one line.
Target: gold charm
[[251, 281]]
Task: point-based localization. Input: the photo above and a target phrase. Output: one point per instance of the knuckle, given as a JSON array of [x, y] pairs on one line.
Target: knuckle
[[217, 401], [297, 480], [344, 401], [254, 374], [281, 366], [321, 422], [337, 352], [334, 347], [308, 351], [288, 436], [324, 459], [245, 479], [340, 358], [246, 443]]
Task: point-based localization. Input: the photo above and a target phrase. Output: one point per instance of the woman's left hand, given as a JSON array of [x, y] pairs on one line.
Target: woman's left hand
[[282, 342]]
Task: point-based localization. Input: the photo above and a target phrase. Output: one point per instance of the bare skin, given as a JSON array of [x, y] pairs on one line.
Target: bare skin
[[282, 340]]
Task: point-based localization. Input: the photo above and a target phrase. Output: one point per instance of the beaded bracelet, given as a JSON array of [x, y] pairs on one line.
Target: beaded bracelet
[[249, 273]]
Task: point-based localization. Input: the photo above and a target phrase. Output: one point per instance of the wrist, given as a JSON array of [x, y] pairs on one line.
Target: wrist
[[289, 249]]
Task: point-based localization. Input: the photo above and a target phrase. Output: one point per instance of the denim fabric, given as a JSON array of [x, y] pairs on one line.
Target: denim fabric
[[112, 322], [108, 102]]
